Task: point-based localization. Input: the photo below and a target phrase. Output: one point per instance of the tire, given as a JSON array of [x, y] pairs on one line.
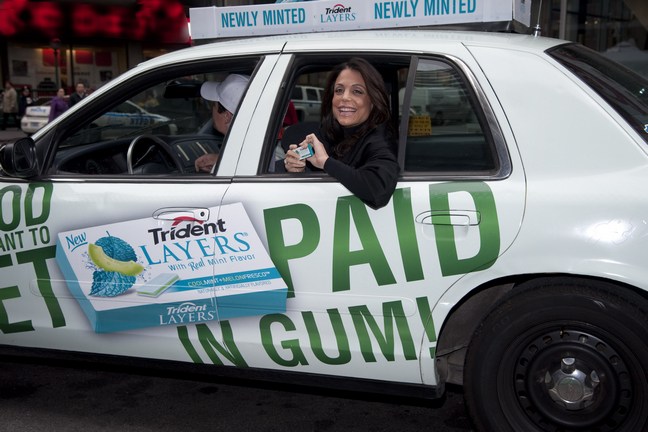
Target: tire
[[561, 354]]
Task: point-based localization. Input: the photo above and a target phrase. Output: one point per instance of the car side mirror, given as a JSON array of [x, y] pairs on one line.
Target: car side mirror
[[18, 159]]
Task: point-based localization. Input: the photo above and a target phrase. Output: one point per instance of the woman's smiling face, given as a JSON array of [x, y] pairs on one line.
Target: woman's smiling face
[[351, 102]]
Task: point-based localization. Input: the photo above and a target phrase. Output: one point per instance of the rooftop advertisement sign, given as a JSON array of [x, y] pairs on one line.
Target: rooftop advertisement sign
[[324, 16]]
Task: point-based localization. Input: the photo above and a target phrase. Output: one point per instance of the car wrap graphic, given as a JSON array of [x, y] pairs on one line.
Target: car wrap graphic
[[138, 274], [216, 269], [26, 241]]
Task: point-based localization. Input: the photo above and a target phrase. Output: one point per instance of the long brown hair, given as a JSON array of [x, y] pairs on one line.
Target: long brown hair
[[377, 92]]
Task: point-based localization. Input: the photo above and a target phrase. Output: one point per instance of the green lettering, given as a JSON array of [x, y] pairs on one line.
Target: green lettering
[[38, 257], [30, 218], [344, 352], [489, 234], [9, 293], [406, 230], [371, 252], [363, 321], [291, 345], [183, 335], [278, 250], [11, 224], [10, 242], [5, 326], [229, 351]]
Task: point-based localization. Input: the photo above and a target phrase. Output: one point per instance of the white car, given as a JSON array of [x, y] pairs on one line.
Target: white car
[[122, 119], [511, 259], [36, 116], [128, 117], [308, 102]]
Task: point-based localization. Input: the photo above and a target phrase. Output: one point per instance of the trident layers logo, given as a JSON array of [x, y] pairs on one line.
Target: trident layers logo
[[337, 14], [187, 312], [185, 227]]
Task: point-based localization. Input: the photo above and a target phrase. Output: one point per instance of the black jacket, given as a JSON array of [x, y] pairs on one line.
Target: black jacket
[[75, 98], [369, 170]]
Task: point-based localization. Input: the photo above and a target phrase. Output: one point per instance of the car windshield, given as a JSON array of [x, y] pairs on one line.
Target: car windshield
[[623, 89]]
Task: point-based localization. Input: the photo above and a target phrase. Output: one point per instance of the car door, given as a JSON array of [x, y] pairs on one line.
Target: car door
[[117, 218], [364, 285]]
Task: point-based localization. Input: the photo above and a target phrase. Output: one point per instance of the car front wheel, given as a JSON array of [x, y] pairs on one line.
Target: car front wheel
[[561, 355]]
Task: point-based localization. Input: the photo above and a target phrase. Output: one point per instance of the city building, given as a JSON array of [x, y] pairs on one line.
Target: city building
[[618, 28], [45, 45]]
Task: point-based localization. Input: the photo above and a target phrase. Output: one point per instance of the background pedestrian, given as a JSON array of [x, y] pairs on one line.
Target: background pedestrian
[[58, 105], [9, 106]]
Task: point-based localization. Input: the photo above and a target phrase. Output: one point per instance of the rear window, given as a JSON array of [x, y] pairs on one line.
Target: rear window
[[311, 95], [623, 89], [444, 132]]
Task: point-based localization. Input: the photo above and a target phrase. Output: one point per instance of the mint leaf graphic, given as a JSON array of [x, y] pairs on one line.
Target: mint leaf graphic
[[110, 284], [117, 248]]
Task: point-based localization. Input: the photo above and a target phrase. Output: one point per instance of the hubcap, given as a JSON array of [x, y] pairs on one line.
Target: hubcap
[[570, 387], [567, 378]]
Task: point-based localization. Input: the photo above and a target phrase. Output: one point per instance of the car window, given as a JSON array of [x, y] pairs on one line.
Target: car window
[[308, 79], [444, 133], [127, 108], [311, 94], [623, 89], [440, 126], [154, 110], [158, 128]]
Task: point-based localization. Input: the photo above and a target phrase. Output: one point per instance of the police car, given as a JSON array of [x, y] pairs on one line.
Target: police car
[[119, 121], [511, 258], [36, 116]]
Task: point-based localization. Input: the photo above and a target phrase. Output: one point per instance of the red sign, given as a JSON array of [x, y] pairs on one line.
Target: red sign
[[155, 20]]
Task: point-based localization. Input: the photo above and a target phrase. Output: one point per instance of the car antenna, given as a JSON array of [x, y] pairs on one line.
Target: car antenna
[[537, 30]]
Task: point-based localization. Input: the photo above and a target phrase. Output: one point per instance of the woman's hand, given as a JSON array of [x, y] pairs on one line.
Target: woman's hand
[[292, 162], [321, 156]]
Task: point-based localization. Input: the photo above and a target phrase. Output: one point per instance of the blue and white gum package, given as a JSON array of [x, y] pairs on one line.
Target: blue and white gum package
[[305, 152], [151, 272]]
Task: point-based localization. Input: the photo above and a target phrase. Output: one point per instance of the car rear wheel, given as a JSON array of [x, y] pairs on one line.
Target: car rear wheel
[[561, 355]]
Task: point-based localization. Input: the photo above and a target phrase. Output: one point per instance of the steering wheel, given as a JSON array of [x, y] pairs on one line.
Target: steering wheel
[[154, 167]]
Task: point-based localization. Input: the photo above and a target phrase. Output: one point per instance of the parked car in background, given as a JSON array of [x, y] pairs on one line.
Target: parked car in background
[[308, 102], [120, 120], [128, 117], [36, 115]]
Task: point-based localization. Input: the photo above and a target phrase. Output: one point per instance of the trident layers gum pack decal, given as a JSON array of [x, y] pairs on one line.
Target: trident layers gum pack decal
[[178, 270]]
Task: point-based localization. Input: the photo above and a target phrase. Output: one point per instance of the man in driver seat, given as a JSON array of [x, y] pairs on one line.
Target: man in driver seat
[[224, 97]]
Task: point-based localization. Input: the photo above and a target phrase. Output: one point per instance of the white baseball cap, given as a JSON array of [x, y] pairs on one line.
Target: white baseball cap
[[228, 92]]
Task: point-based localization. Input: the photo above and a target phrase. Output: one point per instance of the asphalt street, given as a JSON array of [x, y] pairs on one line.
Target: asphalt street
[[10, 134], [53, 398]]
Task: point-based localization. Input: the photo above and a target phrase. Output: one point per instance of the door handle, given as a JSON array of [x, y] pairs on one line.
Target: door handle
[[180, 214], [449, 217]]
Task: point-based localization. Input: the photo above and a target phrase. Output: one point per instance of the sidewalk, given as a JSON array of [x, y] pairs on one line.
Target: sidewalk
[[11, 135]]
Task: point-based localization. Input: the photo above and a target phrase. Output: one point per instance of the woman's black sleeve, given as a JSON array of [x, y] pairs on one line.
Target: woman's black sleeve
[[372, 175]]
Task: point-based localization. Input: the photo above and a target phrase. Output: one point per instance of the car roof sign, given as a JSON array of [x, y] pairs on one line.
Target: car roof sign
[[332, 15]]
